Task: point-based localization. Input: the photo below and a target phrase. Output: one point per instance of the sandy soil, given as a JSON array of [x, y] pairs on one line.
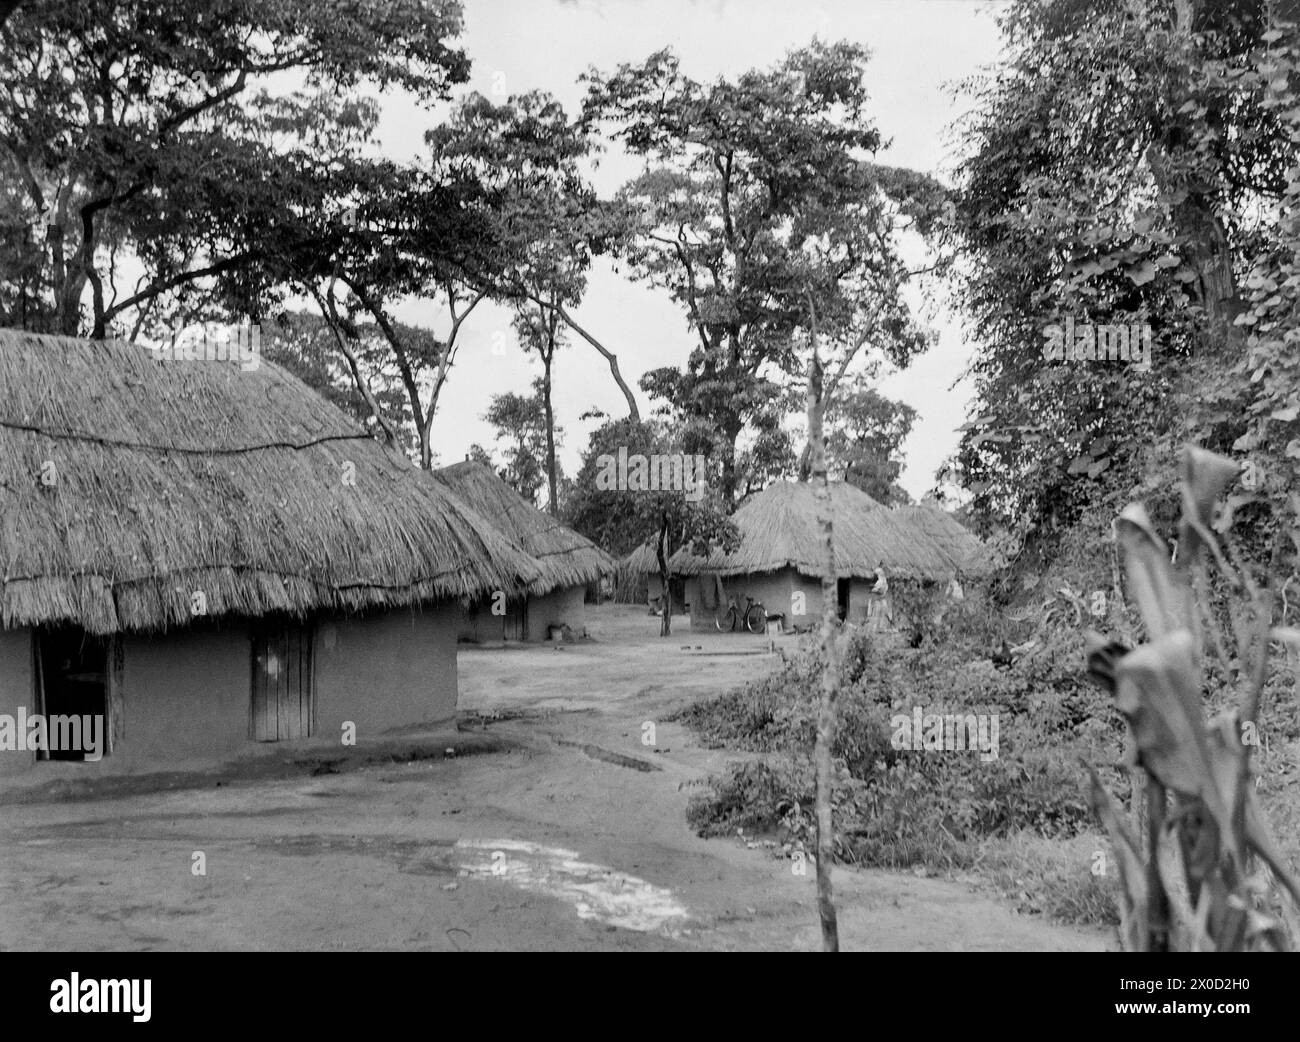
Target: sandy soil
[[552, 826]]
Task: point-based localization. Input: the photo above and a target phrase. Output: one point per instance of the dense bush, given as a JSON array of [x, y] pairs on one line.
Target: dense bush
[[903, 809], [779, 712], [897, 807]]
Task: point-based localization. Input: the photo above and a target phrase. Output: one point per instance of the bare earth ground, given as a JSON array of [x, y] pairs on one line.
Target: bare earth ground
[[551, 827]]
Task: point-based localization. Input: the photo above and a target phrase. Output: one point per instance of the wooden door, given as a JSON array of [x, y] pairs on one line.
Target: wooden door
[[513, 625], [282, 684]]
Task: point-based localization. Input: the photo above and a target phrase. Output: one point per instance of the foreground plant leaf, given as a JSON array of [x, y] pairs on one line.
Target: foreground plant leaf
[[1200, 870], [1134, 908], [1158, 691], [1206, 475], [1164, 603]]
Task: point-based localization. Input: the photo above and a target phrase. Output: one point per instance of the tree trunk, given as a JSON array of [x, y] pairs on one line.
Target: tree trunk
[[661, 552], [1205, 243], [553, 492], [444, 364], [830, 653], [99, 329], [1207, 250], [729, 477], [386, 327], [829, 388], [329, 312]]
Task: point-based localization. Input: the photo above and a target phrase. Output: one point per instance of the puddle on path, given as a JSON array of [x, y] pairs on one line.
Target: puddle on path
[[595, 891]]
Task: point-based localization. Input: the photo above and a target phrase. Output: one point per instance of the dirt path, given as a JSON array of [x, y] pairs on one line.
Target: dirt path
[[571, 837]]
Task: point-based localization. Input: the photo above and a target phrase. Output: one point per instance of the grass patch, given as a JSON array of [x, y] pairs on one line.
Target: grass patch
[[1054, 878]]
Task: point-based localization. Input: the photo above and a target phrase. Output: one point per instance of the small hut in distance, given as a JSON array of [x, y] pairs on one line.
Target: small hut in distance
[[779, 561], [639, 581], [567, 562]]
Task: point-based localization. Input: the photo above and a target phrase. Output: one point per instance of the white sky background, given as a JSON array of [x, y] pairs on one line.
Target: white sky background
[[918, 48]]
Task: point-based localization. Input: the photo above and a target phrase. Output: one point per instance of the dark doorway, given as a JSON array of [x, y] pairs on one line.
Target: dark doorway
[[842, 588], [72, 681], [282, 707]]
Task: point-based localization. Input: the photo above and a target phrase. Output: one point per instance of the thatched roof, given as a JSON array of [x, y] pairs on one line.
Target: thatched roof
[[961, 546], [642, 561], [171, 477], [779, 529], [564, 557]]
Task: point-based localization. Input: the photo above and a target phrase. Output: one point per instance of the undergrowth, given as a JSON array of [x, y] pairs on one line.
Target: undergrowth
[[1021, 821]]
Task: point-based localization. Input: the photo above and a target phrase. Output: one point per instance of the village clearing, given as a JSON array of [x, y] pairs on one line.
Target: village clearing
[[550, 826]]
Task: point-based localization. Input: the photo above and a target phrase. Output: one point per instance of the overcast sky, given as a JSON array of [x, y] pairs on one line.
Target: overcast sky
[[919, 49]]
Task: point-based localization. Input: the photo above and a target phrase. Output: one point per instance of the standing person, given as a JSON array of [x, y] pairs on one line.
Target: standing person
[[878, 606]]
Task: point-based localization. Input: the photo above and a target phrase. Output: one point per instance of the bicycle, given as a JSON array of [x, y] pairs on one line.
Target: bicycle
[[753, 618]]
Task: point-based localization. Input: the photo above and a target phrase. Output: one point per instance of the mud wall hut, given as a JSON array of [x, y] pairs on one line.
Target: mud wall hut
[[203, 555], [779, 560], [639, 582], [567, 562]]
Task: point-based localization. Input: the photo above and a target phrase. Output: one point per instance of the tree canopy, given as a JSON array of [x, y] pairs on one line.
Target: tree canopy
[[152, 133], [760, 194], [1128, 164]]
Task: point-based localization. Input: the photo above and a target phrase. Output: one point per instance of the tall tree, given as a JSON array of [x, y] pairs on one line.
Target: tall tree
[[744, 176], [496, 210], [547, 220], [147, 132], [539, 331], [1125, 165], [605, 516], [622, 519], [403, 233]]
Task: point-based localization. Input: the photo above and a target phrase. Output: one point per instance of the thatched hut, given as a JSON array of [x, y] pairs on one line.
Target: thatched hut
[[779, 561], [639, 581], [567, 562], [202, 553], [969, 556]]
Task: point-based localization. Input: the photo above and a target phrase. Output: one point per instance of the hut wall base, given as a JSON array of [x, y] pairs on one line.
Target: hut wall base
[[387, 671], [563, 607]]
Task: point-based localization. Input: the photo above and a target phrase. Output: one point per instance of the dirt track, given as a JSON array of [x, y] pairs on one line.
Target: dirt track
[[564, 831]]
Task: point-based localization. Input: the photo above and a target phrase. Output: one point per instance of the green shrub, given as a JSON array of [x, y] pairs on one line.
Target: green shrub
[[898, 808], [757, 795]]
